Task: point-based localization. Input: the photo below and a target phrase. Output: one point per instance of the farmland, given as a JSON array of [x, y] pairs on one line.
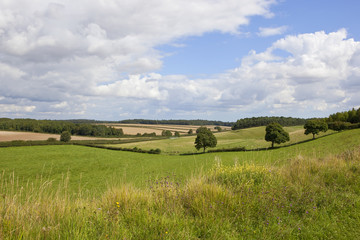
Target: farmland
[[31, 136], [133, 129], [290, 192], [251, 138]]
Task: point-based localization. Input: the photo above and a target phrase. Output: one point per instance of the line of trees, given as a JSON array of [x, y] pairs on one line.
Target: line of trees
[[344, 120], [198, 122], [57, 127], [351, 116], [264, 121]]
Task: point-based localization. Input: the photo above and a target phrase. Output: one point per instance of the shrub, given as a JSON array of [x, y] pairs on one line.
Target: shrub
[[65, 136]]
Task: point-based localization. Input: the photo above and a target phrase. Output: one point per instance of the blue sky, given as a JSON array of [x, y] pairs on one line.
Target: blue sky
[[158, 59], [224, 51]]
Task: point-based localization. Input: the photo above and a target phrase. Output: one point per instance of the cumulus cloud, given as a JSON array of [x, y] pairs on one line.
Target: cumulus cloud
[[96, 59], [266, 32], [59, 52]]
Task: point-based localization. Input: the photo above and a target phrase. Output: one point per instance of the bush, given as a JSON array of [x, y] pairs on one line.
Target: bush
[[51, 140], [65, 136]]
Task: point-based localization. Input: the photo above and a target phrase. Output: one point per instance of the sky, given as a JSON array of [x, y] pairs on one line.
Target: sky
[[180, 59]]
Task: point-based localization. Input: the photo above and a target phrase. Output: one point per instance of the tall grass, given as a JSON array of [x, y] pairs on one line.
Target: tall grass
[[307, 198]]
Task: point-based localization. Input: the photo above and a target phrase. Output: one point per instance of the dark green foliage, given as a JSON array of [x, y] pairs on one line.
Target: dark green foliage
[[51, 139], [205, 138], [153, 134], [264, 121], [177, 134], [177, 122], [352, 116], [218, 128], [57, 127], [166, 133], [276, 134], [344, 120], [134, 149], [234, 149], [65, 136], [315, 126], [190, 132]]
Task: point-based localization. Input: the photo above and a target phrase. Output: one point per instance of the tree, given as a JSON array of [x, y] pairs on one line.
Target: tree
[[177, 134], [204, 138], [276, 134], [190, 131], [315, 126], [65, 136], [218, 128], [166, 133]]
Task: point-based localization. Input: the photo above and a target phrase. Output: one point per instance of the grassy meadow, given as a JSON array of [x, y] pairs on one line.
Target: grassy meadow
[[309, 190], [250, 138]]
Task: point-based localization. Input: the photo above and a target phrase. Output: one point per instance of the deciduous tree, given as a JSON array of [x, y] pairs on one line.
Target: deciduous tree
[[276, 134], [65, 136], [315, 126], [205, 138]]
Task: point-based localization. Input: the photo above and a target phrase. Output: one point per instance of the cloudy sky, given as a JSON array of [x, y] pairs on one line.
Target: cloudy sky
[[178, 59]]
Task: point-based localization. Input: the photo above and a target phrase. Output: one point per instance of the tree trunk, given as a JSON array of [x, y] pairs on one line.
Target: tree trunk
[[272, 144], [313, 135], [204, 149]]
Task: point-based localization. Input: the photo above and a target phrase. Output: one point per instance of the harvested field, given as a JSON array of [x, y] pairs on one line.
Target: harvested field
[[133, 129], [6, 136]]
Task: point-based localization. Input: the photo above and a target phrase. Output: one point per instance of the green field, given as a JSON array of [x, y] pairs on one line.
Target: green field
[[250, 138], [94, 169], [309, 190]]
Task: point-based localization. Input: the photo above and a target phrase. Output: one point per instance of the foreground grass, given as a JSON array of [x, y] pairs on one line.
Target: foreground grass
[[306, 198]]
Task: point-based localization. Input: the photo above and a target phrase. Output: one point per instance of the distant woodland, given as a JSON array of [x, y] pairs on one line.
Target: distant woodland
[[197, 122], [264, 121], [57, 127]]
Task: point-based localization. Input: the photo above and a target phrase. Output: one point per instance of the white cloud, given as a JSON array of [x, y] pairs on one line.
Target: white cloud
[[266, 32], [71, 51], [11, 108], [97, 58]]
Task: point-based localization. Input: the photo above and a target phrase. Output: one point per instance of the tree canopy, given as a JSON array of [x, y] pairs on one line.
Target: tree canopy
[[57, 127], [65, 136], [276, 134], [315, 126], [204, 139], [264, 121]]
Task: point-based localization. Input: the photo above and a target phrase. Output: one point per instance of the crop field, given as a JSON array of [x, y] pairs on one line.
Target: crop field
[[31, 136], [133, 129], [250, 138], [308, 190]]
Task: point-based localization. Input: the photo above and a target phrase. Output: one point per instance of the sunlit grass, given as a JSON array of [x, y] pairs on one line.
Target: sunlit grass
[[250, 138], [306, 198]]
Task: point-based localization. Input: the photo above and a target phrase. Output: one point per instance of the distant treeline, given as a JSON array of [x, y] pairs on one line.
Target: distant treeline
[[344, 120], [263, 121], [352, 116], [198, 122], [57, 127]]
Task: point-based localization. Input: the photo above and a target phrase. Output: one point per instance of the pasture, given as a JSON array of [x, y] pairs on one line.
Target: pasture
[[250, 138], [303, 191]]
